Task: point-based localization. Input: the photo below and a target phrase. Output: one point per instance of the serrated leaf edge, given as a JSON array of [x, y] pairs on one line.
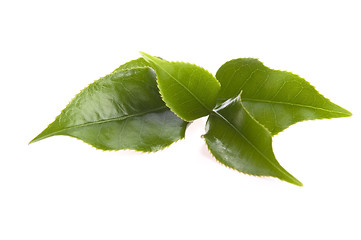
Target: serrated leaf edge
[[346, 113], [132, 149], [181, 84], [57, 133], [284, 171]]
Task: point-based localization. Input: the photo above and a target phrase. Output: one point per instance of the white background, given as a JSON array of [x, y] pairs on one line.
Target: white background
[[61, 188]]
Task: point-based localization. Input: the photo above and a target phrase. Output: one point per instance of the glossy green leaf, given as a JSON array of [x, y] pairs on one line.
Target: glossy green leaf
[[277, 99], [188, 90], [123, 110], [237, 140]]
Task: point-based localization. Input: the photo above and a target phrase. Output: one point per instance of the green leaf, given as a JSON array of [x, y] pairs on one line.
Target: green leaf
[[120, 111], [238, 141], [188, 90], [277, 99], [140, 62]]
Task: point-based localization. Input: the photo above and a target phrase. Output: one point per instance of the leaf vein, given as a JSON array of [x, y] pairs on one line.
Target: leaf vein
[[291, 104], [104, 121], [182, 85], [250, 143]]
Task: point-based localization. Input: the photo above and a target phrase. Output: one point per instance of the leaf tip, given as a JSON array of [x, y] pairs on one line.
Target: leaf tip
[[37, 138], [44, 134], [142, 53], [347, 113], [292, 179], [342, 112], [146, 56], [152, 60], [298, 183]]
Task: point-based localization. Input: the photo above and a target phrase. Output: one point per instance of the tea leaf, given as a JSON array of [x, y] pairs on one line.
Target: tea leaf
[[120, 111], [238, 141], [140, 62], [188, 90], [277, 99]]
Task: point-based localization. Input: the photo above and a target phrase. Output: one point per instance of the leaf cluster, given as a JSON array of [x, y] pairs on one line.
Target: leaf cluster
[[146, 105]]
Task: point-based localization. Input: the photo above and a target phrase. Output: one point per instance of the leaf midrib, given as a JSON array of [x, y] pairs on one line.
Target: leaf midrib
[[99, 122], [253, 146], [290, 104]]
